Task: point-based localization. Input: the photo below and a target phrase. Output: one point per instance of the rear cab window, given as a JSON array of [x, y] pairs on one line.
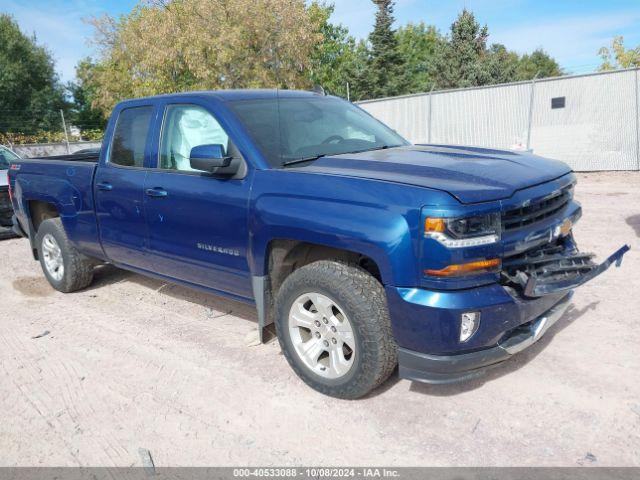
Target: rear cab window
[[130, 136]]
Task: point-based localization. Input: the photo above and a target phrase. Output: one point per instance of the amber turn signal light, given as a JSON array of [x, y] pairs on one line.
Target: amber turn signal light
[[464, 268], [434, 225]]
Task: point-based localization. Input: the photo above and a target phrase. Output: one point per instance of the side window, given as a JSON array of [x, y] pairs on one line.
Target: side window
[[185, 127], [130, 136]]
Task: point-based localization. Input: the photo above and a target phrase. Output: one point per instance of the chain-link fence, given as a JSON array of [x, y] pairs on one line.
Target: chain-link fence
[[46, 128], [589, 121]]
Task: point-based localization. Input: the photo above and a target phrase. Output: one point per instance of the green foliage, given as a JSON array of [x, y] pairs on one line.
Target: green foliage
[[617, 56], [464, 60], [499, 65], [385, 61], [537, 63], [41, 136], [83, 92], [418, 44], [461, 60], [177, 45], [49, 136], [338, 59], [92, 134], [30, 93]]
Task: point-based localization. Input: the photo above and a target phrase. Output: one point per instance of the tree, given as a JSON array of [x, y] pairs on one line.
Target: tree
[[386, 62], [459, 62], [537, 63], [83, 92], [463, 59], [30, 92], [338, 59], [164, 46], [178, 45], [499, 65], [418, 45], [617, 56]]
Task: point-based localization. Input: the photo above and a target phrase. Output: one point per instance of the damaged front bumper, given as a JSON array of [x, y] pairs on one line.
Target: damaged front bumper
[[439, 369], [555, 269], [535, 292]]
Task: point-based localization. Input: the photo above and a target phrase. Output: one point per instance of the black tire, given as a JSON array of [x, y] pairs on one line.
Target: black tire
[[78, 268], [364, 302]]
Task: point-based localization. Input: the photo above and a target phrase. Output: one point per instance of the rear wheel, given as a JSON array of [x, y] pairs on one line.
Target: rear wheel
[[334, 329], [66, 269]]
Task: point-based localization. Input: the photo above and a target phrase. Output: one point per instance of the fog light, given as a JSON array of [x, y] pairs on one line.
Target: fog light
[[469, 323]]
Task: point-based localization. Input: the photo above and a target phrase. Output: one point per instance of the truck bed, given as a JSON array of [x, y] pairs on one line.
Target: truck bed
[[66, 182], [74, 157]]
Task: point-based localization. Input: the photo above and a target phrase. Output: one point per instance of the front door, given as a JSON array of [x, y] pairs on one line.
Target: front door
[[118, 190], [197, 222]]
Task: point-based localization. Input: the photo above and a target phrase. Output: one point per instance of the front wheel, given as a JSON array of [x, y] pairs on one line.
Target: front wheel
[[333, 326], [66, 269]]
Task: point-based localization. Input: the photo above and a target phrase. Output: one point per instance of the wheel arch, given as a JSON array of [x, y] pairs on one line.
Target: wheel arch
[[37, 212], [284, 256]]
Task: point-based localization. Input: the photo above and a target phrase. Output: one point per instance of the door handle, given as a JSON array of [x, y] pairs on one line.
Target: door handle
[[156, 192], [105, 186]]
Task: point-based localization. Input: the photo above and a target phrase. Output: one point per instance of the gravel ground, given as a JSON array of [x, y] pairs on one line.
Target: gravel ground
[[90, 378]]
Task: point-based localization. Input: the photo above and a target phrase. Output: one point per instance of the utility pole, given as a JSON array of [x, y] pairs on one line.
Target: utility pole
[[348, 93], [429, 118], [637, 122], [64, 126], [533, 85]]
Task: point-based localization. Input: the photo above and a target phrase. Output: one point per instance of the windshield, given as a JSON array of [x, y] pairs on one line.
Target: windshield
[[293, 128], [6, 157]]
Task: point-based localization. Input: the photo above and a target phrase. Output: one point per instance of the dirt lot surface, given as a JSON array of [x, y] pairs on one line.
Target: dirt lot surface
[[90, 378]]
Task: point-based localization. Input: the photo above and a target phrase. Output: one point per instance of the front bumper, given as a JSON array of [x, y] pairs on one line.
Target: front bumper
[[426, 323], [427, 368]]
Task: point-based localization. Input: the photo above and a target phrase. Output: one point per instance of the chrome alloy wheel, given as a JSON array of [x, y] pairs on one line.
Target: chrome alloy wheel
[[322, 335], [53, 261]]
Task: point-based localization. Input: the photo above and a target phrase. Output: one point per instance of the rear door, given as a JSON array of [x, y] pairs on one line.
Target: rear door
[[197, 222], [118, 188]]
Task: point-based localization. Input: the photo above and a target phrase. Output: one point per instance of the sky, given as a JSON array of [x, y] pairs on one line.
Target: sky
[[571, 31]]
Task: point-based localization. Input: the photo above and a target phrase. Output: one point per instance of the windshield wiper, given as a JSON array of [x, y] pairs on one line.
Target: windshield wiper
[[381, 147], [310, 158]]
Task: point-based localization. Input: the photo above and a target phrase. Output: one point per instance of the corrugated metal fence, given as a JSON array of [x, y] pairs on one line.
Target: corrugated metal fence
[[589, 121]]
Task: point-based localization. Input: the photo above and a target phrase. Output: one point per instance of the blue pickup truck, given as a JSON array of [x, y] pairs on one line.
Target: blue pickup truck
[[365, 251]]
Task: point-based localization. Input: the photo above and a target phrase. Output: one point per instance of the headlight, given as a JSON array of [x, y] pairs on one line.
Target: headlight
[[464, 232]]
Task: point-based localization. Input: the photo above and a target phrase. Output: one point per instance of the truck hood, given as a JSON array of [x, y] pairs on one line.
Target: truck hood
[[470, 174]]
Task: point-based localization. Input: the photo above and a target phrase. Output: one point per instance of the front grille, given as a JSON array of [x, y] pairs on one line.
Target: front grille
[[6, 210], [549, 263], [536, 211]]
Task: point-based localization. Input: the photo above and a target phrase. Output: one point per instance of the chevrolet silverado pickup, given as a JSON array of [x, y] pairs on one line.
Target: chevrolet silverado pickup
[[365, 251]]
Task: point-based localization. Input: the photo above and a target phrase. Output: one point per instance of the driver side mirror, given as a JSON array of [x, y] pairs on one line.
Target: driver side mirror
[[208, 158]]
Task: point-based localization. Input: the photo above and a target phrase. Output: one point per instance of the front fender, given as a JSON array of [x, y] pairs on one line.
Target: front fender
[[382, 235], [378, 219]]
